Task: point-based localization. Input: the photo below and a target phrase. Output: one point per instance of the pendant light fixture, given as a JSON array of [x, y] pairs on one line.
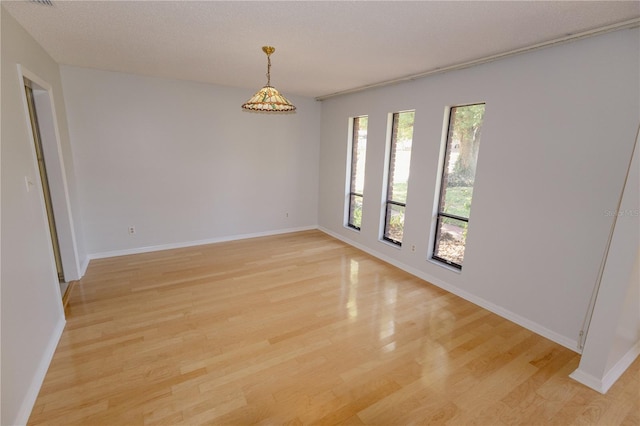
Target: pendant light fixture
[[268, 99]]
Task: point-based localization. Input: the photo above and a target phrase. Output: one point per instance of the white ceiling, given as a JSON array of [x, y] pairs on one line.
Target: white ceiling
[[322, 47]]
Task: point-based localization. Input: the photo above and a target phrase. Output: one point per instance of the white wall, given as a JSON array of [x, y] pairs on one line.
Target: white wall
[[624, 271], [557, 137], [613, 341], [182, 162], [627, 332], [32, 315]]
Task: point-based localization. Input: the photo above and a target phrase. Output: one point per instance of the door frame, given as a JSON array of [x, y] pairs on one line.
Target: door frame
[[56, 172]]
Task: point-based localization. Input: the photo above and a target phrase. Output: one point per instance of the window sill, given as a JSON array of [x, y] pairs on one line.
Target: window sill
[[390, 244], [444, 265]]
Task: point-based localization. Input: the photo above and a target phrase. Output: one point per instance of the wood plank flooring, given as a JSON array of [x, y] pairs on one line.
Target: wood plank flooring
[[302, 329]]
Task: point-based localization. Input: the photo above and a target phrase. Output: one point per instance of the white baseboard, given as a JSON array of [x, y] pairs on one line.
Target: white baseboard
[[587, 379], [170, 246], [603, 384], [36, 383], [498, 310], [620, 367]]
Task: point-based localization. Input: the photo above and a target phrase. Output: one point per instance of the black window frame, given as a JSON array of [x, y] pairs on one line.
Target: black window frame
[[355, 142], [390, 172], [443, 181]]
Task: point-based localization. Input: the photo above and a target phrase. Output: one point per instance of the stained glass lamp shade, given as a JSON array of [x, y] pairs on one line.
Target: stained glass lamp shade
[[268, 99]]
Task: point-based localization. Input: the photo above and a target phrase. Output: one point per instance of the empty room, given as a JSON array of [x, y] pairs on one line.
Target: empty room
[[320, 212]]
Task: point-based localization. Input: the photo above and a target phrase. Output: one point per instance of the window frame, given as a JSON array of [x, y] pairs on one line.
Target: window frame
[[439, 214], [354, 143], [392, 138]]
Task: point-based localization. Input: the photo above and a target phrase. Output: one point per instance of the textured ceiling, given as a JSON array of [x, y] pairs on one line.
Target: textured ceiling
[[322, 47]]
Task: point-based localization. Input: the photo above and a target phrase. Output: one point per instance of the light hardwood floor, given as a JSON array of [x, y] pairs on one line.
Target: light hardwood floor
[[299, 329]]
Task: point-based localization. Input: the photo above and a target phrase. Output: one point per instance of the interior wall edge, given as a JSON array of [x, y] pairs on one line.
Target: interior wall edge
[[36, 383], [620, 367], [84, 265]]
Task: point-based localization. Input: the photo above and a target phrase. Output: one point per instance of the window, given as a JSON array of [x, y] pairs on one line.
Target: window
[[356, 181], [398, 177], [458, 175]]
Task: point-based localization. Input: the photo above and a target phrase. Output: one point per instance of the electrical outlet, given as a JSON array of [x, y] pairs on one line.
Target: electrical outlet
[[132, 230], [413, 248], [286, 214]]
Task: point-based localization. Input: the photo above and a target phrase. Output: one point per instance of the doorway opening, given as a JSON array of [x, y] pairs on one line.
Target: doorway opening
[[48, 160], [44, 180]]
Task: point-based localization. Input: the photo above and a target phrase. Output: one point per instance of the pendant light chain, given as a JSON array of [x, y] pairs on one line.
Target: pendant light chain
[[268, 69]]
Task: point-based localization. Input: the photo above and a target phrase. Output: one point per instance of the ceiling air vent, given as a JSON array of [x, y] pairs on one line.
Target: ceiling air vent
[[43, 2]]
